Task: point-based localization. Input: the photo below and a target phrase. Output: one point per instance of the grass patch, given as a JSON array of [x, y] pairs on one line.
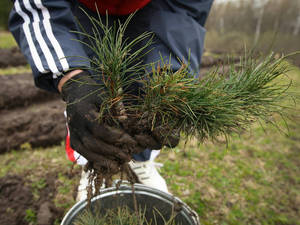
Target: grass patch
[[15, 70], [237, 41], [30, 216], [7, 40], [28, 159]]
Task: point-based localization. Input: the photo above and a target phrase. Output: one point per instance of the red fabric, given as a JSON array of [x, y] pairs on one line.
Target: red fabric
[[69, 149], [115, 7]]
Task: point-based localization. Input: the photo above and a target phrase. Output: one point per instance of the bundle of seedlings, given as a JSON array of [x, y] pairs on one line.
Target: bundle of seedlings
[[219, 104], [167, 102]]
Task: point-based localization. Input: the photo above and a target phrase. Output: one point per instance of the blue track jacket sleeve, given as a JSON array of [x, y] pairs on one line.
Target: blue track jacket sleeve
[[42, 30]]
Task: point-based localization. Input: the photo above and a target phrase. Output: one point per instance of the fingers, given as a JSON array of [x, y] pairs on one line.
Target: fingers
[[101, 163], [106, 133], [147, 141], [106, 157], [111, 135], [75, 141], [99, 147], [167, 137], [172, 141]]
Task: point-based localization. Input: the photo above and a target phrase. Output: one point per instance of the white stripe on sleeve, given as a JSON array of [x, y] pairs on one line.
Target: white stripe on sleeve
[[34, 54], [40, 38], [46, 21]]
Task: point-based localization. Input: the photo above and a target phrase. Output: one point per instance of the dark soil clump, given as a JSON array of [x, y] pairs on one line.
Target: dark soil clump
[[20, 91], [39, 125], [18, 206]]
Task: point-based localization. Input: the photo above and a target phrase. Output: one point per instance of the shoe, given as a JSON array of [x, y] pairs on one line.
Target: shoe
[[84, 182], [148, 175]]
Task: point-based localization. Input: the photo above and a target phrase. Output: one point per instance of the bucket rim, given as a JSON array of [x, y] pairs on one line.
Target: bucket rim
[[139, 189]]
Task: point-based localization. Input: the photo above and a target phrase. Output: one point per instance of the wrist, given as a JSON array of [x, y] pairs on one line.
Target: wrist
[[66, 77]]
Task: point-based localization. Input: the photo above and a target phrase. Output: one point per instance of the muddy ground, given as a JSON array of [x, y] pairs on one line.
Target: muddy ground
[[28, 114], [26, 201], [18, 91], [40, 125], [19, 206], [11, 57]]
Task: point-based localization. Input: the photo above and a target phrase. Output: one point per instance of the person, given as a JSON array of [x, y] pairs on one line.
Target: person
[[42, 31]]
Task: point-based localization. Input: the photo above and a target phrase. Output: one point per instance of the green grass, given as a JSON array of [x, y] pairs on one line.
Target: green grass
[[15, 70], [7, 40], [30, 216], [255, 179], [237, 41], [26, 159]]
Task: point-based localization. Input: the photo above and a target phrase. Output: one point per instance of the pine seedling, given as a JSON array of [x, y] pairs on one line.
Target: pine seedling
[[218, 104], [116, 66]]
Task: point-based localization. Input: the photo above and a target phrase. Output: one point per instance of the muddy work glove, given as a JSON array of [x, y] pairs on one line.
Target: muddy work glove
[[106, 146], [166, 136], [162, 136]]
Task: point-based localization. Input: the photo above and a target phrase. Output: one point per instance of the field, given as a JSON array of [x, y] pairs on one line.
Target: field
[[252, 179]]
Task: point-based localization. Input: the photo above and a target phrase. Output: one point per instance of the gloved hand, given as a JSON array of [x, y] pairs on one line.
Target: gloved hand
[[166, 136], [106, 146], [161, 135]]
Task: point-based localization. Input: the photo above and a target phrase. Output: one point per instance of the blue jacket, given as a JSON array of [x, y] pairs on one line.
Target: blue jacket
[[42, 30]]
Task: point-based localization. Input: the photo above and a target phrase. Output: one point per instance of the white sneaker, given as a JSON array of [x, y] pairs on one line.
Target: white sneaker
[[83, 184], [81, 190], [148, 175]]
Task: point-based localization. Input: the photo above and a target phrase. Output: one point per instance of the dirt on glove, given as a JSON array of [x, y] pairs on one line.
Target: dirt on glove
[[144, 137]]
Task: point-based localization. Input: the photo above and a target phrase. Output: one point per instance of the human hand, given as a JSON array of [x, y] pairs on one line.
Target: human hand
[[157, 137], [166, 136], [104, 146]]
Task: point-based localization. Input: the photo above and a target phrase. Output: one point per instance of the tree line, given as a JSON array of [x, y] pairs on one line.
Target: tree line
[[261, 24], [248, 16]]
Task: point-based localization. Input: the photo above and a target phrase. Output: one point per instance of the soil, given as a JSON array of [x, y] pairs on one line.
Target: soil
[[29, 114], [20, 91], [11, 57], [16, 198], [40, 125]]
